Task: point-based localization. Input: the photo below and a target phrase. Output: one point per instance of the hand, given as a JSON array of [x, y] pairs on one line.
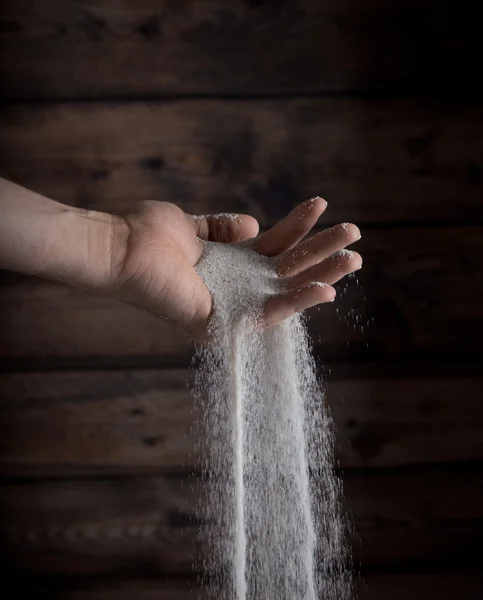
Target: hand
[[164, 244]]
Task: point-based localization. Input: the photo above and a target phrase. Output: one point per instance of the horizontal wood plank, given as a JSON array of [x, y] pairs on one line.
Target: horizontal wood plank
[[152, 47], [429, 518], [154, 589], [386, 161], [444, 586], [422, 287], [130, 422]]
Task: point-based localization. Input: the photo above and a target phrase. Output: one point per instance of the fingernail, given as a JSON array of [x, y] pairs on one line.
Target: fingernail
[[312, 200], [343, 252]]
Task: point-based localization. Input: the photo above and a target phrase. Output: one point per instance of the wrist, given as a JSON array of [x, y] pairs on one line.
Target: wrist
[[103, 241], [82, 248]]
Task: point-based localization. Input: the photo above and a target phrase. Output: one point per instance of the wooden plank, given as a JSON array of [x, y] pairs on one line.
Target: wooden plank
[[444, 586], [123, 590], [422, 286], [403, 519], [376, 161], [133, 422], [106, 422], [86, 589], [153, 47]]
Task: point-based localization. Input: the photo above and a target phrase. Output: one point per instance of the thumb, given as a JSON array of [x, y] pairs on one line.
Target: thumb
[[226, 227]]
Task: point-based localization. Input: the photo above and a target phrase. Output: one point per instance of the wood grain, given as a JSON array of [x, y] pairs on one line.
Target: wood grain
[[73, 50], [444, 586], [384, 161], [423, 288], [151, 589], [132, 422], [428, 517]]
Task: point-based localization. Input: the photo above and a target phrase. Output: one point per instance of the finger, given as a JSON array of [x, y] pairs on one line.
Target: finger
[[225, 227], [317, 248], [290, 230], [330, 271], [281, 307]]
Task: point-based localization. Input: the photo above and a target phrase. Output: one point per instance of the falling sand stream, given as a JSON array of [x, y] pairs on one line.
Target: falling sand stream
[[274, 529]]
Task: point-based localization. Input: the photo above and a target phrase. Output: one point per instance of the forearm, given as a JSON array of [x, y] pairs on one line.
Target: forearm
[[42, 237]]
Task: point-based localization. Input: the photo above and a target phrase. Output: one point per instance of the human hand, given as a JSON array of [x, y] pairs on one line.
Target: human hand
[[163, 245]]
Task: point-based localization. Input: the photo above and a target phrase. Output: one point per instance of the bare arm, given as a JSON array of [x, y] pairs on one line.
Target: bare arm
[[39, 236]]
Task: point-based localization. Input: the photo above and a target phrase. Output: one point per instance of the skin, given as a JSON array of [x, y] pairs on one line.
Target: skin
[[147, 258]]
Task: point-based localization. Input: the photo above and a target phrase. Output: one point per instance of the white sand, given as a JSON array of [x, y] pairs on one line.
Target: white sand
[[275, 531]]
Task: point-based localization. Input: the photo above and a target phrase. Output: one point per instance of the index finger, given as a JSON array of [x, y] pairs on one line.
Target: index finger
[[290, 230], [225, 227]]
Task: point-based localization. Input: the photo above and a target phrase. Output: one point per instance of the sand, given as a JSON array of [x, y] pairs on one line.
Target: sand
[[273, 529]]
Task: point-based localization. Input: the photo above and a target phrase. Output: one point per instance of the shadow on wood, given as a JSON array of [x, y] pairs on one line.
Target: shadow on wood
[[133, 422], [384, 161], [428, 518], [72, 50]]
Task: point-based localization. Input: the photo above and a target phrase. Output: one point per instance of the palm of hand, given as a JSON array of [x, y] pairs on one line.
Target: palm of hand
[[165, 244]]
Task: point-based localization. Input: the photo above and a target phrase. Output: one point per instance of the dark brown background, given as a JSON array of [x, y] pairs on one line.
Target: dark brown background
[[247, 106]]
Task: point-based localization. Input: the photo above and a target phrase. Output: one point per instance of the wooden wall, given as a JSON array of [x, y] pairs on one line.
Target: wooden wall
[[247, 106]]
